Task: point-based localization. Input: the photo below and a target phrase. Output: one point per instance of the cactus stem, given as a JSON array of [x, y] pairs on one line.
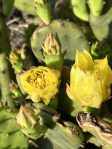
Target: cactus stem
[[5, 80], [4, 67]]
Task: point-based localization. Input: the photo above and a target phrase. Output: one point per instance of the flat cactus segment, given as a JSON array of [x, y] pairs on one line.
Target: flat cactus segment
[[96, 141], [107, 147], [64, 137], [96, 6], [102, 26], [25, 5], [13, 141], [80, 9], [6, 121], [70, 36], [10, 135]]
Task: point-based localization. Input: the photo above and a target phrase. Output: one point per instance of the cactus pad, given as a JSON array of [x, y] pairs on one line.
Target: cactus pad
[[65, 136], [70, 36], [25, 5], [10, 135], [102, 26]]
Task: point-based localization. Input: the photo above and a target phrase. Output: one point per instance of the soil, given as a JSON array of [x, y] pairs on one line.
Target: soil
[[17, 23]]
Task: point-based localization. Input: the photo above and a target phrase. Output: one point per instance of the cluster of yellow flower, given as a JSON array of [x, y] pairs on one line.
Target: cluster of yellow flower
[[90, 80]]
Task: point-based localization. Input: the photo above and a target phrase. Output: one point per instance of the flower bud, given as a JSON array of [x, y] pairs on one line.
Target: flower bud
[[40, 83], [26, 117], [89, 80], [52, 52], [16, 59], [51, 45], [30, 123]]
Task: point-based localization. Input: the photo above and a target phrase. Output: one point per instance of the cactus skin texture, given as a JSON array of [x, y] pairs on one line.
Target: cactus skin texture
[[106, 147], [80, 9], [10, 135], [99, 143], [70, 37], [96, 6], [65, 136], [25, 5], [4, 50], [102, 26], [43, 10]]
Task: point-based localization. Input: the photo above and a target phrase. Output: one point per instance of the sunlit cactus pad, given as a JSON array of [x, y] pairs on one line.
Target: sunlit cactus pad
[[70, 36]]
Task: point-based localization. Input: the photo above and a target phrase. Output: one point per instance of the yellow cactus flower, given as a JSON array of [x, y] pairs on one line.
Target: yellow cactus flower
[[89, 80], [51, 45], [40, 83], [26, 117]]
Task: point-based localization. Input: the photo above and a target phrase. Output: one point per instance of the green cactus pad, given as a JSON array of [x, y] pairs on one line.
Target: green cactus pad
[[70, 36], [10, 135], [25, 5], [96, 141], [96, 6], [107, 147], [80, 9], [35, 132], [102, 26], [44, 11], [65, 136]]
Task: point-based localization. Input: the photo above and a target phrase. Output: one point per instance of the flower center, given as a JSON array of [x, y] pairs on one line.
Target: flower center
[[38, 78]]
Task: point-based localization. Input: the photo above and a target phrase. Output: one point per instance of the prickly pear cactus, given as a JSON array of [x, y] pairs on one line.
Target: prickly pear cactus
[[80, 9], [96, 6], [70, 36], [65, 136], [102, 26], [10, 135], [25, 5]]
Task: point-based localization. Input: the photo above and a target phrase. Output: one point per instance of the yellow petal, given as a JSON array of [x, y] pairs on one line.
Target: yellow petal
[[89, 80], [83, 60]]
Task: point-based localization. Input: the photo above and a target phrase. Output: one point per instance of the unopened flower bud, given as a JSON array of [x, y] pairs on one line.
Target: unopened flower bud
[[26, 117], [51, 45], [16, 58], [30, 123]]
